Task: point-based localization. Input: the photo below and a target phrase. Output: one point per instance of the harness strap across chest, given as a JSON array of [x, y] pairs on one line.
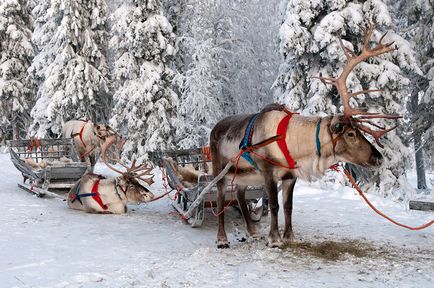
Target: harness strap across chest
[[281, 130], [80, 134], [279, 138]]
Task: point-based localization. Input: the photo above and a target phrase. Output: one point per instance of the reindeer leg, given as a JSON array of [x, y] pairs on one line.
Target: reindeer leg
[[274, 239], [222, 239], [92, 160], [251, 228], [287, 191]]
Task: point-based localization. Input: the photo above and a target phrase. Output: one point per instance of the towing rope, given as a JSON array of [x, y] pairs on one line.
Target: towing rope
[[355, 186]]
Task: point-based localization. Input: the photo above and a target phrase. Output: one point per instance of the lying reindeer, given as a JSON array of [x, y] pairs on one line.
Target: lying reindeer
[[187, 174], [96, 194], [44, 163], [88, 138], [302, 147]]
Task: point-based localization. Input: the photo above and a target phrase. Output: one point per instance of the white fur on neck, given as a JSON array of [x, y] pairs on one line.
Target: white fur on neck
[[312, 165]]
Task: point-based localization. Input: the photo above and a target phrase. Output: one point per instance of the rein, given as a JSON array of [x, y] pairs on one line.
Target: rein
[[355, 186]]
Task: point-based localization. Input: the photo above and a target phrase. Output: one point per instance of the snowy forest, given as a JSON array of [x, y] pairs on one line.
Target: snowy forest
[[164, 72]]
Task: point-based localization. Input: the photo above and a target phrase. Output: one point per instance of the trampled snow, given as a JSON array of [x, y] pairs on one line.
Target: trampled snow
[[340, 242]]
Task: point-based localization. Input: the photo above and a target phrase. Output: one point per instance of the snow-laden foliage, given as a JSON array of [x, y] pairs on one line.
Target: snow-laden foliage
[[70, 67], [414, 19], [254, 58], [144, 103], [421, 21], [228, 63], [16, 51], [310, 48], [202, 81], [199, 108]]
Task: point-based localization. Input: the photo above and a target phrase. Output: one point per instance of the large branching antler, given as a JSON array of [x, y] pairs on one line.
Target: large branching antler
[[341, 85], [104, 148], [134, 171]]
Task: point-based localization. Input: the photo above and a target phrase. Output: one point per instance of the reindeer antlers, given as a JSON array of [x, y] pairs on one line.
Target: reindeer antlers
[[340, 83], [133, 171]]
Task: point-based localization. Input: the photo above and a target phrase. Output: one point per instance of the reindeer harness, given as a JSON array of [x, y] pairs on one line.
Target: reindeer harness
[[80, 134], [94, 194], [246, 144], [247, 141]]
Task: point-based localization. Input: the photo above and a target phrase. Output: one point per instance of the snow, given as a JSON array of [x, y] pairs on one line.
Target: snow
[[45, 244]]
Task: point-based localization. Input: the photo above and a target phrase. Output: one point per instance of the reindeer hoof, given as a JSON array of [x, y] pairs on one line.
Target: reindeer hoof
[[222, 244], [288, 241], [272, 243], [255, 236]]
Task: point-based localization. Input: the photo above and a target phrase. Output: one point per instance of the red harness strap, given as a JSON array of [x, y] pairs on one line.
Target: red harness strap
[[81, 135], [96, 195], [281, 130]]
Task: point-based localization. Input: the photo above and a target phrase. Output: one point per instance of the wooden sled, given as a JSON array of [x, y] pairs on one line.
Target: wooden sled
[[61, 170], [256, 198]]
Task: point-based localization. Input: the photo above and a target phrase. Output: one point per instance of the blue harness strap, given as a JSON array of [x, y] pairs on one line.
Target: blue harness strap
[[78, 196], [247, 141], [318, 143]]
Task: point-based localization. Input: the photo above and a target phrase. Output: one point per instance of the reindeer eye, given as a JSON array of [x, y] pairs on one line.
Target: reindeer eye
[[351, 134], [339, 128]]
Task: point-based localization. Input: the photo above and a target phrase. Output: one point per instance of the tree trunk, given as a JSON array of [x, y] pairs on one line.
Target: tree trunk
[[15, 131], [420, 167]]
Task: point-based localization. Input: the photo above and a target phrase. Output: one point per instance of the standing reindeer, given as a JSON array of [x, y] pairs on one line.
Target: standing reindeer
[[96, 194], [88, 138], [295, 146]]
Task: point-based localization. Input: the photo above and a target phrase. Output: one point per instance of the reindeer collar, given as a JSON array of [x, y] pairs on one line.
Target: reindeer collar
[[116, 188], [318, 142]]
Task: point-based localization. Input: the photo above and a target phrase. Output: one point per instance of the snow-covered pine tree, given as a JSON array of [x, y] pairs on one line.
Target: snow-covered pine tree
[[228, 63], [144, 103], [202, 81], [310, 48], [254, 53], [70, 67], [16, 52], [417, 20]]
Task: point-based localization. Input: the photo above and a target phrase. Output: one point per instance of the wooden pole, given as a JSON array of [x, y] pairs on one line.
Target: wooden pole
[[205, 190]]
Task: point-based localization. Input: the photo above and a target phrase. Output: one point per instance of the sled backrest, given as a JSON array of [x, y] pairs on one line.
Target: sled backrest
[[44, 149], [195, 156]]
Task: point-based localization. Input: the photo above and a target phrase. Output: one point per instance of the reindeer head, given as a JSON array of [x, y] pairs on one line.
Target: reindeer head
[[134, 191], [349, 144], [128, 181], [105, 131], [100, 131]]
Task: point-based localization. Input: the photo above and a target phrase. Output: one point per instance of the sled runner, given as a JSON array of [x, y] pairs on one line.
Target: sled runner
[[47, 164], [187, 192]]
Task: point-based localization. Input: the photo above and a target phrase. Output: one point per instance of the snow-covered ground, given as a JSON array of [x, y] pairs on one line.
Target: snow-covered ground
[[340, 242]]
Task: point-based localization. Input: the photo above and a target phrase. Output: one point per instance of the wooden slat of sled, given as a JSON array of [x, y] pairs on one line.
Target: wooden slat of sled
[[421, 205]]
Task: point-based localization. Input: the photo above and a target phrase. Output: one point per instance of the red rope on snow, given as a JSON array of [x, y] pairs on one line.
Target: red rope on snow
[[355, 186]]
